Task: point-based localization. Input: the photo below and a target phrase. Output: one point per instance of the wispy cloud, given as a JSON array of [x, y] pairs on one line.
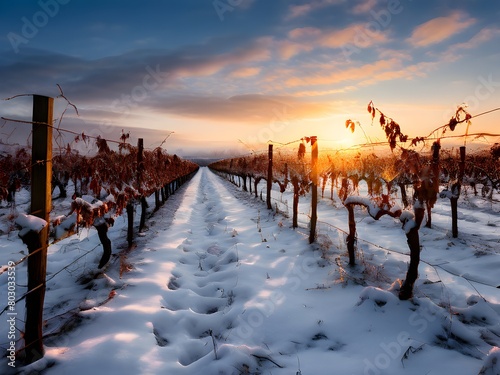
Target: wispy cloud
[[457, 50], [440, 29], [287, 49], [365, 6], [296, 11], [116, 76], [304, 33], [408, 72], [316, 93], [484, 35], [308, 38], [245, 72], [251, 108], [364, 75], [353, 34]]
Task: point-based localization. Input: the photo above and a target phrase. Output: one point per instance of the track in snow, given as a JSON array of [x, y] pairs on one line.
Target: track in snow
[[186, 301]]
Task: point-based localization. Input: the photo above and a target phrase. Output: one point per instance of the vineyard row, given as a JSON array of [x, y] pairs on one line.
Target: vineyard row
[[441, 174], [105, 185]]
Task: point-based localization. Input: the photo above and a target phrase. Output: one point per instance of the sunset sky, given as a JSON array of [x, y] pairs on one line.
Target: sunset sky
[[227, 73]]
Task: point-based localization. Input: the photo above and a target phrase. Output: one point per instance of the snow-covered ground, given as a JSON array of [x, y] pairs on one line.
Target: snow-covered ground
[[220, 285]]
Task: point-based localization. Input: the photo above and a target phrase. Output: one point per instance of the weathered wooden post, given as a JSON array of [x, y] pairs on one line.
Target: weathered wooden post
[[140, 170], [41, 204], [269, 177], [456, 190], [130, 222], [351, 237], [294, 179], [314, 188]]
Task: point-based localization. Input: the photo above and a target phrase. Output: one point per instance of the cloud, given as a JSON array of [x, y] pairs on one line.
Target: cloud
[[350, 74], [299, 10], [308, 38], [361, 7], [364, 75], [304, 32], [287, 49], [456, 51], [245, 72], [250, 108], [296, 11], [484, 35], [111, 78], [407, 72], [312, 93], [440, 29], [355, 33], [365, 6]]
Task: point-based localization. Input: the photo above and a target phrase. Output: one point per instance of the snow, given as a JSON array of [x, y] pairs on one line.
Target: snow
[[396, 208], [407, 218], [29, 223], [492, 363], [353, 199], [65, 224], [221, 285]]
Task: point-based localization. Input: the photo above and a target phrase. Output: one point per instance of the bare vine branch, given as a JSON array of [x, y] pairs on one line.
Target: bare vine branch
[[61, 95], [18, 96]]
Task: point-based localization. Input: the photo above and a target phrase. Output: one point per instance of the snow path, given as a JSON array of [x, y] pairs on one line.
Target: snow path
[[185, 292], [221, 285]]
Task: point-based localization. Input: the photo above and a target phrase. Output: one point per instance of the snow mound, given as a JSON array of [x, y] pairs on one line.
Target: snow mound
[[379, 296], [491, 363], [29, 223]]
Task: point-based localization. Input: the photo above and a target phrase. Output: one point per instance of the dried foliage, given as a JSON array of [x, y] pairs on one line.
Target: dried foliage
[[14, 172], [495, 151], [349, 124], [302, 151], [392, 129], [461, 115], [108, 175]]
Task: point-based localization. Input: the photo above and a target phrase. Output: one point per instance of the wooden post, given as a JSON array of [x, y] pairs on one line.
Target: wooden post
[[41, 204], [144, 207], [157, 199], [140, 169], [351, 237], [165, 192], [456, 189], [130, 223], [269, 177], [140, 163], [462, 163], [295, 207], [314, 188]]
